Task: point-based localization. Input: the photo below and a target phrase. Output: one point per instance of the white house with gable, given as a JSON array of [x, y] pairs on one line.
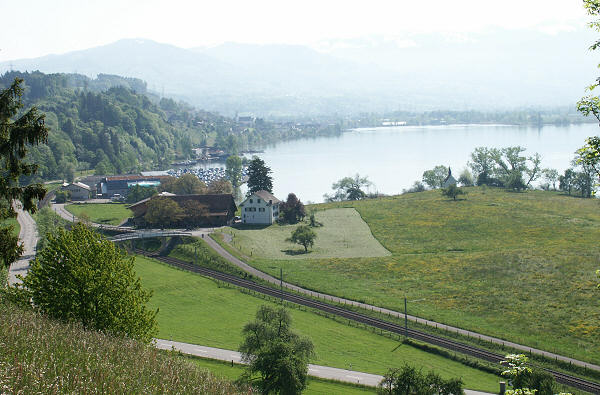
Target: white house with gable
[[260, 208]]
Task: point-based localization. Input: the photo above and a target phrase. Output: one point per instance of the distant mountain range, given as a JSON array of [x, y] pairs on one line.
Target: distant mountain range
[[496, 69]]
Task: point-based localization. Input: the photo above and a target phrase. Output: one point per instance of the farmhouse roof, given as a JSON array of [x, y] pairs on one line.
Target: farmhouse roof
[[217, 204], [77, 184], [267, 196]]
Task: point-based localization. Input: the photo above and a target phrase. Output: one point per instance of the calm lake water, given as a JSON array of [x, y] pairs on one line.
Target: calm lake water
[[394, 157]]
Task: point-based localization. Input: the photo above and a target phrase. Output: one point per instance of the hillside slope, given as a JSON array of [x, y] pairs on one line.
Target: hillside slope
[[40, 355], [519, 266]]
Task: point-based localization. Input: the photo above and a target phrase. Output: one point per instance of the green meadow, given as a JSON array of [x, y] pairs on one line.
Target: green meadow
[[343, 234], [519, 266], [197, 310], [101, 213], [314, 387]]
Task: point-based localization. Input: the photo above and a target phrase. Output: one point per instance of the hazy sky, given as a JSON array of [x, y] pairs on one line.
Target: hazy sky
[[32, 28]]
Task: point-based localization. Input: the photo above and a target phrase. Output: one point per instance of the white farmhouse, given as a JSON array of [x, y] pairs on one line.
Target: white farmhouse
[[260, 208]]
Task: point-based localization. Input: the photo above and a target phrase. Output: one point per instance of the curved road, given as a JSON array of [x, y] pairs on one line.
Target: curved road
[[257, 273], [29, 237]]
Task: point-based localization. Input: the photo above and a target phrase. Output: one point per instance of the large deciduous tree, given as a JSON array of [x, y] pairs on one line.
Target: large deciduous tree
[[349, 188], [18, 132], [435, 177], [275, 352], [233, 170], [259, 176], [220, 186], [292, 210], [163, 212], [506, 167], [81, 276], [304, 236]]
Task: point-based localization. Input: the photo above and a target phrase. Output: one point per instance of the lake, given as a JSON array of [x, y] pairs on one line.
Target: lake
[[394, 157]]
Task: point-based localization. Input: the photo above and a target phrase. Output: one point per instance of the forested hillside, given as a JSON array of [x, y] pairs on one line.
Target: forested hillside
[[109, 124], [113, 125]]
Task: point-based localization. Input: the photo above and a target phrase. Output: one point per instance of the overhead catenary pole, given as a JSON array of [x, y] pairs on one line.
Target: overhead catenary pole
[[405, 319]]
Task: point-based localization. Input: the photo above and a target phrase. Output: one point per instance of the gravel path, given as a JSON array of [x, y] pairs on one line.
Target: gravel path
[[325, 372]]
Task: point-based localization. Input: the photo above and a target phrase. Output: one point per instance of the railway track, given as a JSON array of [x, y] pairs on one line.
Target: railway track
[[452, 345]]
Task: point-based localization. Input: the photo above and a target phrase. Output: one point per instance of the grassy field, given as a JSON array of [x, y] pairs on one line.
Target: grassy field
[[519, 266], [343, 235], [315, 386], [196, 310], [102, 213], [44, 356]]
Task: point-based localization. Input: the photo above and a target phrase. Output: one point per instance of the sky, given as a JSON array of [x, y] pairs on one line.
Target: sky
[[40, 27]]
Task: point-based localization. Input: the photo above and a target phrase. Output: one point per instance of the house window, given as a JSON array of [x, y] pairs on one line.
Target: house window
[[270, 202], [257, 200], [262, 209], [250, 200]]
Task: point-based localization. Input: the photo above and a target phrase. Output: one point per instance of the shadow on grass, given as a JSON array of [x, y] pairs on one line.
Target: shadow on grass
[[295, 252], [250, 227]]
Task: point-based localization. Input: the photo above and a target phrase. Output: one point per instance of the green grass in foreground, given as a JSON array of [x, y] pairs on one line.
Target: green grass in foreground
[[102, 213], [343, 235], [519, 266], [315, 386], [196, 310], [44, 356]]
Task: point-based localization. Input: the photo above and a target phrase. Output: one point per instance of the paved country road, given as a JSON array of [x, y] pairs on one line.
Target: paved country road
[[29, 237], [325, 372]]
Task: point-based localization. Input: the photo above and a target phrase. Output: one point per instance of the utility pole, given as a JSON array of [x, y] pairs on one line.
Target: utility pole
[[405, 319], [281, 282]]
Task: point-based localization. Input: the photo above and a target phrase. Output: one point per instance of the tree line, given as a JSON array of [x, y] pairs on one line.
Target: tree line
[[511, 169]]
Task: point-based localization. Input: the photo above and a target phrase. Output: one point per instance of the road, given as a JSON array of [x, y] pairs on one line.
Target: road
[[204, 233], [29, 237], [325, 372]]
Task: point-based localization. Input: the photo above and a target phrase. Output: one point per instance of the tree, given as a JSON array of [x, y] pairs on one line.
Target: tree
[[482, 165], [466, 178], [233, 170], [189, 184], [551, 177], [81, 276], [435, 177], [275, 352], [292, 210], [16, 138], [349, 188], [194, 213], [219, 186], [566, 181], [304, 236], [259, 176], [452, 191], [163, 212], [527, 380], [408, 380], [416, 187], [138, 192]]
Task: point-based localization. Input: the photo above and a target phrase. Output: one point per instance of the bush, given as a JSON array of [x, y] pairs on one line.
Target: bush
[[408, 380], [62, 196]]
